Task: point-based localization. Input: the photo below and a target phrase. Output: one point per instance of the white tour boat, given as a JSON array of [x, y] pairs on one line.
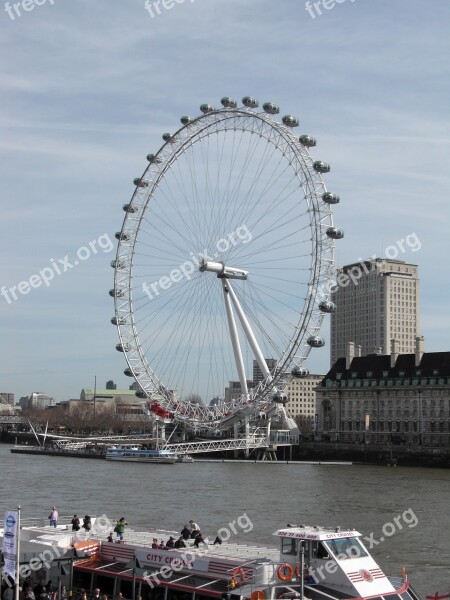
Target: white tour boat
[[313, 563], [140, 455]]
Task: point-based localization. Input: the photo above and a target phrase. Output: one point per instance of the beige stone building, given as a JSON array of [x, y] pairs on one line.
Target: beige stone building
[[376, 300], [302, 395], [387, 399]]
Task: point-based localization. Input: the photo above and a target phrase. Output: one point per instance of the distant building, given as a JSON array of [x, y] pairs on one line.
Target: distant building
[[216, 401], [7, 398], [110, 385], [257, 373], [24, 402], [234, 390], [302, 395], [123, 401], [134, 386], [376, 300], [40, 400], [387, 399]]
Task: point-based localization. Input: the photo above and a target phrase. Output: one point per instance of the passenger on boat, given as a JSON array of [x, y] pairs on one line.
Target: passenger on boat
[[120, 528], [161, 545], [97, 595], [186, 531], [87, 524], [110, 537], [53, 516], [155, 544], [195, 529], [199, 539], [180, 543], [75, 523], [170, 542]]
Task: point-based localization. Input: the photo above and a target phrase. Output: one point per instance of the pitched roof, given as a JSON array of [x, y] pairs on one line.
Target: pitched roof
[[432, 364]]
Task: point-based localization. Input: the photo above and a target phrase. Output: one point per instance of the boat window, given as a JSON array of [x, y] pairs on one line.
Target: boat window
[[346, 548], [320, 552], [288, 546], [105, 583]]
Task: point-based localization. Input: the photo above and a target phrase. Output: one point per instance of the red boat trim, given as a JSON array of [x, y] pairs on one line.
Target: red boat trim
[[404, 587]]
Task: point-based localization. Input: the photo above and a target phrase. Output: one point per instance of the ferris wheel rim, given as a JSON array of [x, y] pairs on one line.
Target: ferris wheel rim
[[163, 159]]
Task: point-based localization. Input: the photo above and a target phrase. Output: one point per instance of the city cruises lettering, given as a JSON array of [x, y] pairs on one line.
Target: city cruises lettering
[[302, 535], [184, 559]]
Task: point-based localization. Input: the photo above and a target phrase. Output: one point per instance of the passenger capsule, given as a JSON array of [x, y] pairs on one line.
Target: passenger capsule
[[206, 108], [330, 198], [299, 372], [152, 158], [327, 307], [130, 208], [321, 167], [118, 321], [128, 372], [140, 394], [167, 137], [185, 120], [228, 102], [315, 341], [249, 102], [279, 397], [290, 121], [115, 293], [122, 236], [307, 140], [139, 182], [271, 108], [117, 264], [123, 347], [335, 233]]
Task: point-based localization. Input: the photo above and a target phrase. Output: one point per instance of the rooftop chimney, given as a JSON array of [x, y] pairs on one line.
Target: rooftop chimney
[[358, 350], [394, 352], [420, 349], [350, 354]]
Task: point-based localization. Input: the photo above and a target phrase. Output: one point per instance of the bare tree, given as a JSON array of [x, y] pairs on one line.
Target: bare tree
[[305, 423], [194, 399]]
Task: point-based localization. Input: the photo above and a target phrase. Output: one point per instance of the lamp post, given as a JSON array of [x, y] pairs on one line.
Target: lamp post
[[302, 570], [95, 393]]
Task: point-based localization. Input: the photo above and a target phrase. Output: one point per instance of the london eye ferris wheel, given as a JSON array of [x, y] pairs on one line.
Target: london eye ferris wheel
[[224, 260]]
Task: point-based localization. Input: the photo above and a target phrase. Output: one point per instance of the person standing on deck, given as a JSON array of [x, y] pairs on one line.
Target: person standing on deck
[[53, 516], [120, 527]]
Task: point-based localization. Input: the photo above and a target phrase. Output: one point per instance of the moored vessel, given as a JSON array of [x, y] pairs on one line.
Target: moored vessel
[[141, 455], [310, 562]]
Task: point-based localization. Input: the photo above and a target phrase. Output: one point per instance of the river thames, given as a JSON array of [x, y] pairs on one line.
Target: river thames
[[403, 512]]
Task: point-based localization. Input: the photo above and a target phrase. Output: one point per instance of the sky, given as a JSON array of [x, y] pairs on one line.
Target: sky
[[89, 86]]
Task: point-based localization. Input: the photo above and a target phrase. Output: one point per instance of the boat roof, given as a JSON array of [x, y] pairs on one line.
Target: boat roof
[[315, 532], [229, 551]]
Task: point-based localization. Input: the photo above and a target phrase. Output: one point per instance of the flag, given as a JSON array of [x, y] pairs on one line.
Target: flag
[[10, 543]]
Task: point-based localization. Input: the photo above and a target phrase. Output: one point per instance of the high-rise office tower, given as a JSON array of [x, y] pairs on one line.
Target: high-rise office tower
[[377, 300]]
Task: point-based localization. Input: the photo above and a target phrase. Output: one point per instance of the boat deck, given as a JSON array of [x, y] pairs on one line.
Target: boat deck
[[144, 538]]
